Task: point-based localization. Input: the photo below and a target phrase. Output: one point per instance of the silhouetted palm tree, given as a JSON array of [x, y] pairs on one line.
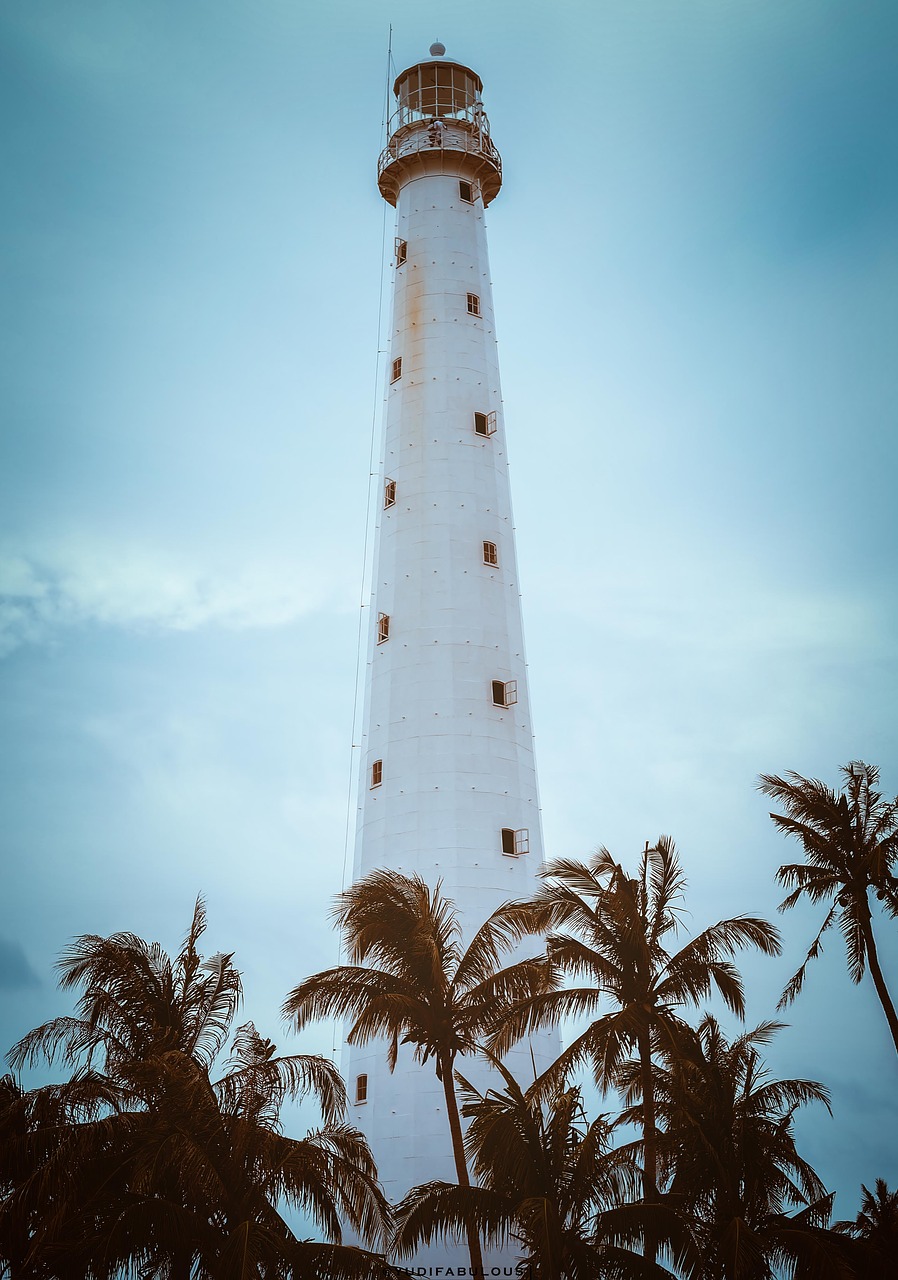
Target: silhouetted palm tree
[[874, 1234], [549, 1180], [728, 1147], [141, 1161], [851, 843], [412, 981], [615, 927]]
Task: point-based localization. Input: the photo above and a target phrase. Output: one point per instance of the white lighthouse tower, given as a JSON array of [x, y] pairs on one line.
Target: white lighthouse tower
[[447, 778]]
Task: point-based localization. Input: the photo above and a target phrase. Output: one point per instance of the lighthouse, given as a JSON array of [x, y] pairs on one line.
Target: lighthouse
[[447, 783]]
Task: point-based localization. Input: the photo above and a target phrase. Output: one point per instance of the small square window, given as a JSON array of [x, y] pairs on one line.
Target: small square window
[[473, 305], [377, 773], [361, 1089], [490, 553], [389, 493], [397, 369], [401, 251], [505, 693], [383, 627], [514, 843], [485, 424], [466, 192]]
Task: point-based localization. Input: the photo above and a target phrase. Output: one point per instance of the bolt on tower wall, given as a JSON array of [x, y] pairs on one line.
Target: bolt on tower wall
[[447, 778]]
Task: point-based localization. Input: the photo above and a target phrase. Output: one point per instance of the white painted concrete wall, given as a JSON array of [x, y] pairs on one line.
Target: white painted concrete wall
[[456, 768]]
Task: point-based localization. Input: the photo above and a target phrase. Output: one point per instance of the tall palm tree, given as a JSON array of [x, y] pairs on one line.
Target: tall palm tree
[[728, 1148], [611, 930], [851, 843], [874, 1233], [411, 980], [549, 1179], [141, 1160]]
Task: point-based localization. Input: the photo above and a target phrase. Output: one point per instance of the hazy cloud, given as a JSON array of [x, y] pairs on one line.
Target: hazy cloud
[[718, 609], [138, 587], [15, 972]]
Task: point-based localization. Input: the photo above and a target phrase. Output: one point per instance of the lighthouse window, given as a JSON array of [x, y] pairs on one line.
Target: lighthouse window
[[466, 192], [389, 493], [397, 369], [514, 843], [505, 693], [490, 553], [377, 773], [383, 627], [485, 424], [361, 1089], [401, 251], [473, 305]]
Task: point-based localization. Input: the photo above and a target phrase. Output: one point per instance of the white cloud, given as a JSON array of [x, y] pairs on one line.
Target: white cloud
[[44, 591]]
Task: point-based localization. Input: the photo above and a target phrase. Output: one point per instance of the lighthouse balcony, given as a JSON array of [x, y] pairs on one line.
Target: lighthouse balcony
[[439, 146]]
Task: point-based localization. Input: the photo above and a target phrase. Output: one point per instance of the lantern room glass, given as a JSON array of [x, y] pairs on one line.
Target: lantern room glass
[[436, 90]]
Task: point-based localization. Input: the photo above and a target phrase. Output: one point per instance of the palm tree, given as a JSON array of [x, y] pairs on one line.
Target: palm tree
[[549, 1179], [851, 843], [728, 1147], [141, 1160], [410, 980], [615, 927], [874, 1233]]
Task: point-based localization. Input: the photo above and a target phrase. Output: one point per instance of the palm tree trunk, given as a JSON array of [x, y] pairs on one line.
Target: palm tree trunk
[[649, 1138], [550, 1263], [458, 1151], [879, 981]]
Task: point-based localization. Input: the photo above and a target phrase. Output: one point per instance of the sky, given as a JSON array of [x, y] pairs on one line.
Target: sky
[[695, 272]]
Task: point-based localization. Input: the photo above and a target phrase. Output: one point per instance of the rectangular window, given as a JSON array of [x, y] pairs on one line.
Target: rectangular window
[[505, 693], [401, 251], [514, 843], [473, 305], [490, 553], [377, 773], [485, 424], [397, 369], [466, 192], [361, 1089], [383, 627], [389, 493]]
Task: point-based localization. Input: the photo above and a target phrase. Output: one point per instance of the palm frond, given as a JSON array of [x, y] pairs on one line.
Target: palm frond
[[397, 923], [483, 1008], [72, 1038], [342, 993], [497, 936], [665, 884], [259, 1082], [796, 982], [852, 919], [316, 1261], [214, 1002], [547, 1008], [443, 1210]]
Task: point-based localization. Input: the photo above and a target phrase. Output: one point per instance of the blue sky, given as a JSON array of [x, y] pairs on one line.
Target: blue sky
[[695, 261]]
